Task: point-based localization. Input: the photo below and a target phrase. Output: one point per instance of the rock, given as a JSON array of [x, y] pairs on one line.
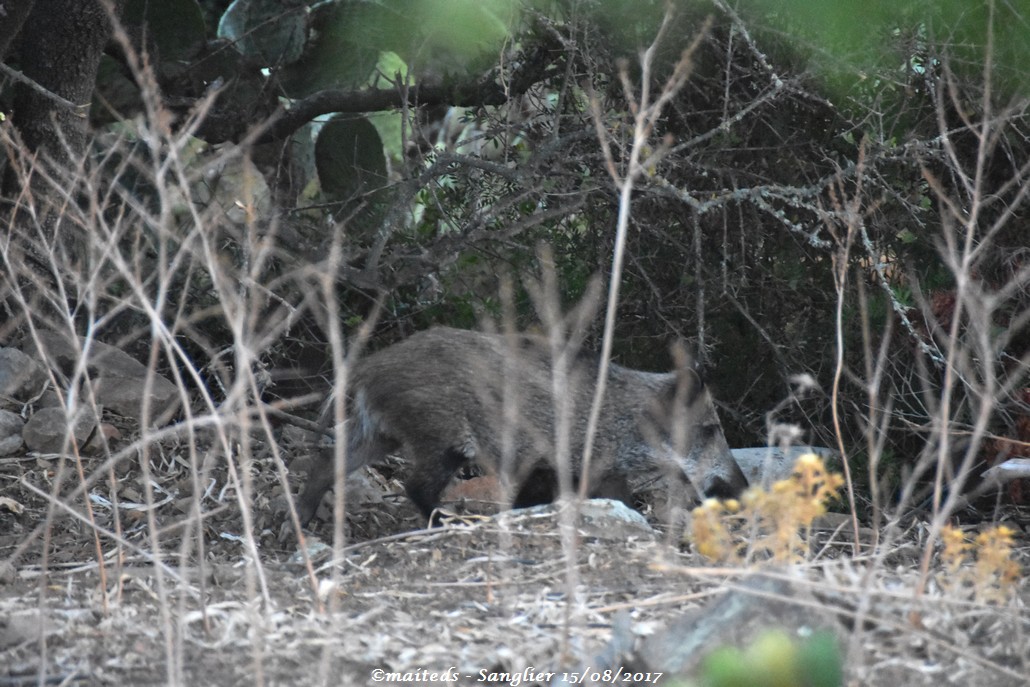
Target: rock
[[605, 519], [20, 628], [49, 399], [53, 347], [125, 395], [45, 431], [103, 358], [8, 573], [735, 619], [21, 377], [119, 380], [317, 551], [611, 519], [11, 506], [764, 465], [1013, 468], [11, 426]]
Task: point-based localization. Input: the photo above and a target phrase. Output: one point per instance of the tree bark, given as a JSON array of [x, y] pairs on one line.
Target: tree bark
[[61, 45], [12, 15], [59, 50]]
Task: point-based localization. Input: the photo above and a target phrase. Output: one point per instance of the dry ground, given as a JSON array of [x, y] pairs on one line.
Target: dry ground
[[480, 595]]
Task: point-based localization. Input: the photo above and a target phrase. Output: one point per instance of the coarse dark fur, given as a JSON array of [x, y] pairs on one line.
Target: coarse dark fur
[[448, 397]]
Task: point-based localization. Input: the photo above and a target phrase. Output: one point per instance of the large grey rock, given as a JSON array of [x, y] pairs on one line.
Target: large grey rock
[[21, 377], [119, 380], [735, 619], [104, 359], [45, 431], [11, 426], [764, 465], [23, 627], [1013, 468], [612, 520], [751, 608], [605, 519], [125, 395]]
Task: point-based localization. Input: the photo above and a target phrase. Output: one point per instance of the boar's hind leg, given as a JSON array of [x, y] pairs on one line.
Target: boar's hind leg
[[363, 448], [431, 474], [320, 478]]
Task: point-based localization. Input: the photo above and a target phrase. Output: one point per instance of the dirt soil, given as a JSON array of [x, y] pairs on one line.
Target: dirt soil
[[504, 594]]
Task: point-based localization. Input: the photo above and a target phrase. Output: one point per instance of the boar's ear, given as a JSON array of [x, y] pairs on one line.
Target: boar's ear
[[689, 382]]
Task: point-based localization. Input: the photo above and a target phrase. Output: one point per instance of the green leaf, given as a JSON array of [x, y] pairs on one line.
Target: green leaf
[[349, 157], [176, 27], [726, 667], [346, 41], [906, 236], [270, 31], [861, 38], [458, 31], [819, 661]]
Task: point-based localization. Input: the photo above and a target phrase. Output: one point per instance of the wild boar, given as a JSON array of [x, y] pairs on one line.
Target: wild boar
[[448, 397]]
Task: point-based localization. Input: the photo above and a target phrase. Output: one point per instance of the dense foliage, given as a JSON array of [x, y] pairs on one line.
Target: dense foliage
[[828, 182]]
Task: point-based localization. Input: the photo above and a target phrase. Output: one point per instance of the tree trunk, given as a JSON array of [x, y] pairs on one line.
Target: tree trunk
[[12, 16], [61, 45], [58, 51]]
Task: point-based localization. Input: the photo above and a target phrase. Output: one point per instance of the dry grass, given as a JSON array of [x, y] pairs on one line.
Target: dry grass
[[158, 560]]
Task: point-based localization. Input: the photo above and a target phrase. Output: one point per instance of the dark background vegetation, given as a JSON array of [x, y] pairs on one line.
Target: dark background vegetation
[[419, 156]]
